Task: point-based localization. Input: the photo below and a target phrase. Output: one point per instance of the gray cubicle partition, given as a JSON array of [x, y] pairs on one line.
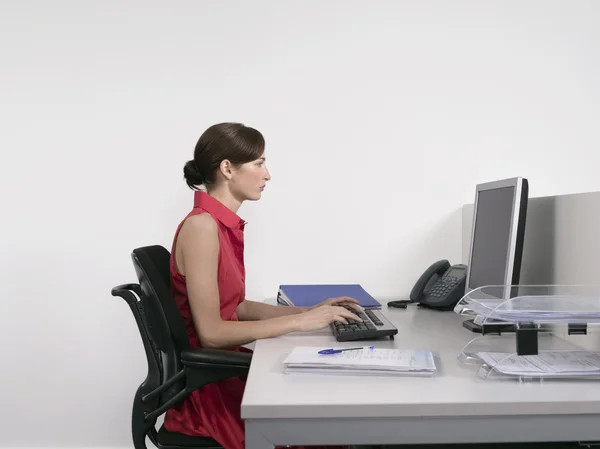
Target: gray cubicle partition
[[561, 244], [562, 239]]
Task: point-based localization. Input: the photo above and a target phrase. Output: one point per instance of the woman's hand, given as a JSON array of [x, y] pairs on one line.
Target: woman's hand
[[322, 316], [341, 300]]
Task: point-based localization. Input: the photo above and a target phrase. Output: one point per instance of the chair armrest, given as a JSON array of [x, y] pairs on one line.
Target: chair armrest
[[124, 291], [201, 357], [204, 366], [201, 366]]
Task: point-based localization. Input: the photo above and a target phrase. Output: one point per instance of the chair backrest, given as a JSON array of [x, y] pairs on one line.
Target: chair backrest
[[165, 324]]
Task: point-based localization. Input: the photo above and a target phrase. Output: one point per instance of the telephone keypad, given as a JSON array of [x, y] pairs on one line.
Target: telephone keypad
[[443, 286]]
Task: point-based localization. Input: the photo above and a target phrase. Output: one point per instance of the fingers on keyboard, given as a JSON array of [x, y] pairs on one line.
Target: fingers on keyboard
[[355, 307], [352, 316]]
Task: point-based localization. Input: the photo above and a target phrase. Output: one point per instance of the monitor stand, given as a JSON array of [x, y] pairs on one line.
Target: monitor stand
[[490, 328]]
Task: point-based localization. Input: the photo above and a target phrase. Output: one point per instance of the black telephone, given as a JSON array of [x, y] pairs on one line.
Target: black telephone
[[441, 286]]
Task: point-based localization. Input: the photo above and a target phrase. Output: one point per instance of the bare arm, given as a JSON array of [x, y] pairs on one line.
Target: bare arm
[[197, 255], [198, 242], [252, 310]]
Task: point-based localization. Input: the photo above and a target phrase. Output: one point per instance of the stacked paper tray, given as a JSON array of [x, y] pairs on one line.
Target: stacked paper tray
[[548, 325], [556, 364], [539, 304]]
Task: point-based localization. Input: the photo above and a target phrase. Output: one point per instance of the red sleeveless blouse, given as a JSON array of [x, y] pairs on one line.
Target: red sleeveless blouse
[[213, 410]]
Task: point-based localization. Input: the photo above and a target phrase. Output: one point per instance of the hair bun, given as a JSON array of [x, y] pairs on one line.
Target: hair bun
[[192, 174]]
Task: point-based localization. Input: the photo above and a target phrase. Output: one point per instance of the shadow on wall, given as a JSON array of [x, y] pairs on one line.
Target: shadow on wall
[[539, 249]]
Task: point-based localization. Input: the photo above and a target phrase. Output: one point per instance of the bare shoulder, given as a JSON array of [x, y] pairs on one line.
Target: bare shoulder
[[199, 232], [198, 241], [201, 224]]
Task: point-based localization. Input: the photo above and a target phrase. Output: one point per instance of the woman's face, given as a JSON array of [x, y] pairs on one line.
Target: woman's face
[[249, 180]]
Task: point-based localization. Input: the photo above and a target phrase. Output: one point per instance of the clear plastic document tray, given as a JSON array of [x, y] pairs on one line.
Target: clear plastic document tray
[[495, 358], [533, 304], [525, 331]]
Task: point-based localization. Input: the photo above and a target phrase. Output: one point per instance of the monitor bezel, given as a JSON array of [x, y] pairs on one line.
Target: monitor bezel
[[517, 228]]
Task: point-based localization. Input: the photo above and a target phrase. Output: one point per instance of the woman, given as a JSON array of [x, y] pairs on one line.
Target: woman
[[208, 277]]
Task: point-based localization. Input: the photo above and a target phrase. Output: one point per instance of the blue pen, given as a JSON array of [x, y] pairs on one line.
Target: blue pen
[[336, 351]]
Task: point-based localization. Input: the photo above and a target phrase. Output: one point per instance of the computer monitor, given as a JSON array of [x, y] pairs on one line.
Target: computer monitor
[[497, 234]]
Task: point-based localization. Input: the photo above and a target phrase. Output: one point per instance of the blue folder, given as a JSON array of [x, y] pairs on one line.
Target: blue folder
[[310, 295]]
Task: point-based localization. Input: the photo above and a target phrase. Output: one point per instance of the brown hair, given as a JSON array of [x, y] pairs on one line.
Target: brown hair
[[232, 141]]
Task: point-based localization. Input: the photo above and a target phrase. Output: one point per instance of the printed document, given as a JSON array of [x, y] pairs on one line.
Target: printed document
[[307, 359]]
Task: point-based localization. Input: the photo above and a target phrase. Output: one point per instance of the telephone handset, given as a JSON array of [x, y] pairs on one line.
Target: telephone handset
[[441, 286]]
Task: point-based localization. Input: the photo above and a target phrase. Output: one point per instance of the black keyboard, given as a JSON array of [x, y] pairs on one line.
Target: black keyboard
[[374, 325]]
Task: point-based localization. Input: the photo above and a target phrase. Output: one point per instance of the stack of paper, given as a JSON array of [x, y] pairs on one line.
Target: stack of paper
[[545, 364], [386, 362]]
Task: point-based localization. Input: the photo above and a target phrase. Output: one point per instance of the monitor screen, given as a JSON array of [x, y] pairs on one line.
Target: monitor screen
[[491, 235]]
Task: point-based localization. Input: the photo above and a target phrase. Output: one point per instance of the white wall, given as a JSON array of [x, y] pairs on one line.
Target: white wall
[[380, 117]]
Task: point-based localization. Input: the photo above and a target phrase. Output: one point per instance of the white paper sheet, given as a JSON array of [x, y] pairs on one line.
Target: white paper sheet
[[367, 361]]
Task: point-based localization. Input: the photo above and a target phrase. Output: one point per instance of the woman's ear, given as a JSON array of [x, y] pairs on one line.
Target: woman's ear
[[226, 168]]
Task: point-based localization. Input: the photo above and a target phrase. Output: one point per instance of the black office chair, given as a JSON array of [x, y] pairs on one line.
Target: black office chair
[[174, 369]]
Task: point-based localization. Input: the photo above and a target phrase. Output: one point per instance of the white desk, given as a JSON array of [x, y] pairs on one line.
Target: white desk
[[454, 407]]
